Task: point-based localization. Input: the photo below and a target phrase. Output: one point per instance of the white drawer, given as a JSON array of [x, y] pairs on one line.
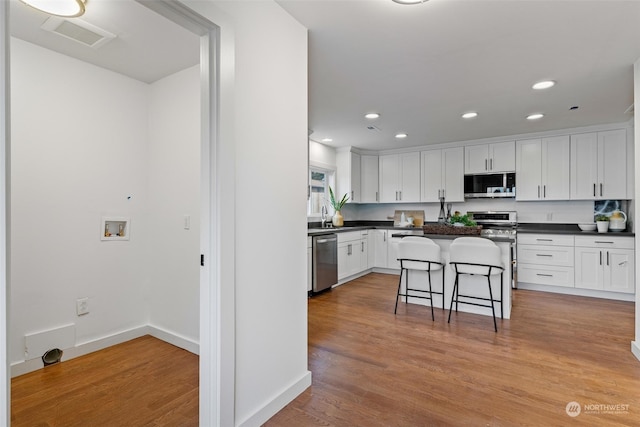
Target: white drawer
[[605, 241], [546, 275], [349, 236], [546, 239], [545, 255]]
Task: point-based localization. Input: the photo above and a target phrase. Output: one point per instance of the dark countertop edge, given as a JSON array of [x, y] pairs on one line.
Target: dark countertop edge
[[546, 228], [451, 236]]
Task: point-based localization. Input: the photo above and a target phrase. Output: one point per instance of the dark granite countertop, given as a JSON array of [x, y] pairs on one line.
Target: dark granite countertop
[[546, 228]]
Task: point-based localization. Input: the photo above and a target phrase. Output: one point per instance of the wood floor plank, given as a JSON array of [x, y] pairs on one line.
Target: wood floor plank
[[373, 368], [141, 382]]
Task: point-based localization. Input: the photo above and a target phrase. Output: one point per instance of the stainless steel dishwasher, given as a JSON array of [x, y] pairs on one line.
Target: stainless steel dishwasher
[[325, 261]]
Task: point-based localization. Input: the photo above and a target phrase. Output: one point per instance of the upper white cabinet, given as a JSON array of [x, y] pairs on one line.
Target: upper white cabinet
[[400, 177], [599, 165], [542, 167], [443, 175], [348, 178], [369, 179], [490, 158]]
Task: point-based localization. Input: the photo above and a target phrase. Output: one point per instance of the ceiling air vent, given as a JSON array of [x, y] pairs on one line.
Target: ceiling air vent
[[372, 127], [79, 31]]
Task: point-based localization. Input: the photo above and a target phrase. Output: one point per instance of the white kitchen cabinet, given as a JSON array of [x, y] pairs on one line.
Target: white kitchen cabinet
[[348, 177], [378, 248], [392, 253], [546, 259], [490, 158], [349, 254], [605, 263], [364, 252], [599, 165], [443, 175], [399, 177], [542, 168], [369, 178]]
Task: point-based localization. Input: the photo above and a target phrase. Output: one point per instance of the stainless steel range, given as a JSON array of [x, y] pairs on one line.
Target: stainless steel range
[[500, 225]]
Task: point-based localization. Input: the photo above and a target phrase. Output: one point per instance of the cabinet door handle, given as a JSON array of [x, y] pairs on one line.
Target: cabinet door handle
[[400, 194], [377, 200], [538, 191], [384, 236], [594, 189], [607, 257], [544, 275], [544, 191], [438, 194], [352, 195], [600, 189], [544, 255], [349, 251], [362, 247], [490, 164], [443, 193], [485, 164], [600, 257]]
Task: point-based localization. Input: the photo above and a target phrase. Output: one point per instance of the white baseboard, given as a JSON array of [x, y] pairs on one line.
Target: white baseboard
[[175, 339], [278, 402], [80, 349], [619, 296], [635, 349]]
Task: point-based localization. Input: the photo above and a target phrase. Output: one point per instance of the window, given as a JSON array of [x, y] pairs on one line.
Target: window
[[319, 181]]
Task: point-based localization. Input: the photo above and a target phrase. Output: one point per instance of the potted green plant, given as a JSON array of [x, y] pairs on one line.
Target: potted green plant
[[338, 219], [602, 222]]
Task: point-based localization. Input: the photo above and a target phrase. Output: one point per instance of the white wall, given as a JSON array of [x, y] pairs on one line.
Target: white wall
[[79, 148], [635, 345], [271, 169], [173, 258]]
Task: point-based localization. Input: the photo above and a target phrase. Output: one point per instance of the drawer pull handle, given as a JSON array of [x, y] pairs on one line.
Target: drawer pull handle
[[546, 240], [545, 275], [544, 255], [601, 241]]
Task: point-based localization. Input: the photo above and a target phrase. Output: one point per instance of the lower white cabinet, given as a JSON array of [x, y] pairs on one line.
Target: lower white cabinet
[[546, 259], [378, 248], [594, 262], [605, 263], [392, 252], [352, 253]]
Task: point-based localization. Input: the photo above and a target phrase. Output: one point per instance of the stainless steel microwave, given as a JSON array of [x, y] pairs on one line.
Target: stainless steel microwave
[[490, 185]]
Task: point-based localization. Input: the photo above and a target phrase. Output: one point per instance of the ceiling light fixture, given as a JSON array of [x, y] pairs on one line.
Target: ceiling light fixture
[[401, 135], [545, 84], [470, 115], [535, 116], [66, 8], [371, 116], [327, 140], [409, 1]]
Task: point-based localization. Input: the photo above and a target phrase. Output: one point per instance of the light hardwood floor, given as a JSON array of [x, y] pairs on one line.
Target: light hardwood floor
[[143, 382], [371, 368]]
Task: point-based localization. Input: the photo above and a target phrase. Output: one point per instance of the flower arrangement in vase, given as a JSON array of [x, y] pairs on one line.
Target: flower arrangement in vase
[[338, 219]]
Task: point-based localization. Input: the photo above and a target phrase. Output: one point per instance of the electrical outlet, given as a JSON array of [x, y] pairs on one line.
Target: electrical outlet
[[82, 306]]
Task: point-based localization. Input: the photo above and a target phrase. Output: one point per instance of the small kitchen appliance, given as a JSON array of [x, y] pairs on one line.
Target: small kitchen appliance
[[617, 221]]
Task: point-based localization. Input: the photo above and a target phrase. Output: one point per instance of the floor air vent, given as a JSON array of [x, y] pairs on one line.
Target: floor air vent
[[79, 31]]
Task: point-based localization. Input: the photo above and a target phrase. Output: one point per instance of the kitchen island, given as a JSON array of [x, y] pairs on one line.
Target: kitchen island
[[469, 285]]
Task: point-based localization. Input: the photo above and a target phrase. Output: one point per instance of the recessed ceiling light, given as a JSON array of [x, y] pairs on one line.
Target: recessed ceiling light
[[327, 140], [535, 116], [401, 135], [66, 8], [409, 1], [470, 115], [545, 84], [371, 116]]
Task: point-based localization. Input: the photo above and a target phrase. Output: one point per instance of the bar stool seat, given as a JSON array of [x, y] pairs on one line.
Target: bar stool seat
[[476, 256], [420, 254]]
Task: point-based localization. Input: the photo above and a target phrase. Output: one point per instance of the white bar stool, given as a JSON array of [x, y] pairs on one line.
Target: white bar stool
[[423, 254], [476, 256]]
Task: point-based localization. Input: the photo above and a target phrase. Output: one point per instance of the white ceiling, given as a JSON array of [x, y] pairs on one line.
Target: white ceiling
[[147, 47], [422, 66]]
